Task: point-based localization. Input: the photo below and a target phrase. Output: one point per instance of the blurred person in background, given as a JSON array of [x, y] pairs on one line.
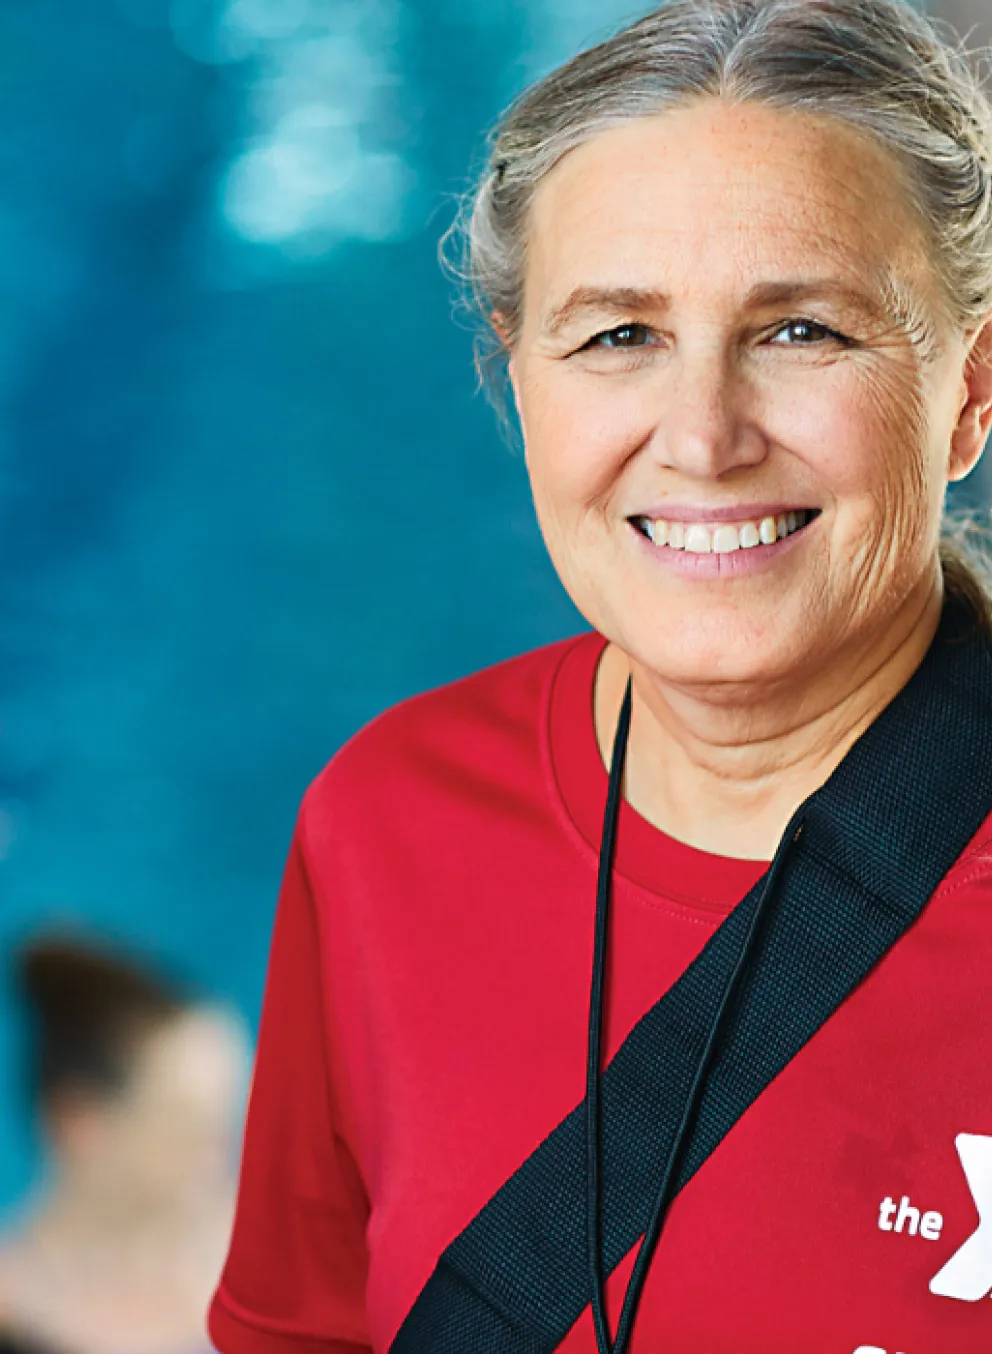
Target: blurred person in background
[[139, 1090], [725, 862]]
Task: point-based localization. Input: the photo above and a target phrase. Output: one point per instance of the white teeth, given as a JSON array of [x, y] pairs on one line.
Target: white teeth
[[724, 539], [698, 540]]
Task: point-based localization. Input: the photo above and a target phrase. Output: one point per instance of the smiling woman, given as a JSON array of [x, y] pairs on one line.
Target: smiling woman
[[795, 359], [730, 855]]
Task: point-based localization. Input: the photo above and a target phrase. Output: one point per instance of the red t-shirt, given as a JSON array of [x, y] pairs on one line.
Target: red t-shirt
[[425, 1024]]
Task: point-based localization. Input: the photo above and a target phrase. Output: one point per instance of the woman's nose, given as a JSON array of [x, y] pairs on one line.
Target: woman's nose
[[706, 426]]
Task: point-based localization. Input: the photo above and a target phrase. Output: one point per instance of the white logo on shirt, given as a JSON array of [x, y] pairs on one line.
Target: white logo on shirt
[[967, 1276], [903, 1216]]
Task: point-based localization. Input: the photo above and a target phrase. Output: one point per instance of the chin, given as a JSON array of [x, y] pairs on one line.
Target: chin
[[722, 650]]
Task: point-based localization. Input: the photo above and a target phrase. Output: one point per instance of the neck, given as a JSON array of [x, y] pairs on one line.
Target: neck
[[725, 773]]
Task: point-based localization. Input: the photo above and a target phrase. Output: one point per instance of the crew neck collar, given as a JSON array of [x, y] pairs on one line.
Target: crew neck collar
[[645, 855]]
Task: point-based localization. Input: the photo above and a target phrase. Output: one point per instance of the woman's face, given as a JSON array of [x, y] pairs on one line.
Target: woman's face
[[729, 315]]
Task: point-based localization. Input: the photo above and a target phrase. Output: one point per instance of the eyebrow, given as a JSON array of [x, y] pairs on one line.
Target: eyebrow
[[584, 300], [622, 300]]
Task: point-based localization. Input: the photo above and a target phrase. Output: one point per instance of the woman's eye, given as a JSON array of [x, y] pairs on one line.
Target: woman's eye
[[804, 333], [623, 336]]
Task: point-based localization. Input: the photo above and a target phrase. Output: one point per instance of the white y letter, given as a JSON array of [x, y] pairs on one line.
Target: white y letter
[[968, 1274]]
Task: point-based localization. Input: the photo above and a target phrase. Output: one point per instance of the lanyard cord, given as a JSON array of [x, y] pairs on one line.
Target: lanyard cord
[[594, 1056]]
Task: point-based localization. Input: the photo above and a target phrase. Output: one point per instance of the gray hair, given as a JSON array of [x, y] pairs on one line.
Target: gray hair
[[877, 65]]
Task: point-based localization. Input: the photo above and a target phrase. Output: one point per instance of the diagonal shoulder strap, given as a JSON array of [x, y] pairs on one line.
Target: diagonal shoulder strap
[[876, 841]]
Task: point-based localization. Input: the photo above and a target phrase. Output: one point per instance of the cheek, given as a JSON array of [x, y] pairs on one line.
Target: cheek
[[578, 437], [862, 431]]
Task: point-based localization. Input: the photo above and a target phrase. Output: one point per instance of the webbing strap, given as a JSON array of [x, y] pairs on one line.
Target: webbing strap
[[876, 841]]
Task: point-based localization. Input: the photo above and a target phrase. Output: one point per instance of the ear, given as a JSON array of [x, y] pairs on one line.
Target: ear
[[498, 322], [975, 419], [500, 328], [502, 331]]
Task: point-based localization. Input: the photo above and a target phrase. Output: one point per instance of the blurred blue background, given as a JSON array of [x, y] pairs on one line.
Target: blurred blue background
[[248, 493]]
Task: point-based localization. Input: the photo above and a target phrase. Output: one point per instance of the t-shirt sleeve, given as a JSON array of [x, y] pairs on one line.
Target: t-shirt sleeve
[[294, 1281]]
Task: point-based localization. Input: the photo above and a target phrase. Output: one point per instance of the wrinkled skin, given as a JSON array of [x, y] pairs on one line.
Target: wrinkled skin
[[856, 396]]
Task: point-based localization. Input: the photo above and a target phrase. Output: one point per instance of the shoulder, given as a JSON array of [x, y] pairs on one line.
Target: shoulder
[[486, 726], [974, 865]]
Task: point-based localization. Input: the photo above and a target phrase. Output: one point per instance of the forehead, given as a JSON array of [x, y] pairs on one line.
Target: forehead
[[717, 195]]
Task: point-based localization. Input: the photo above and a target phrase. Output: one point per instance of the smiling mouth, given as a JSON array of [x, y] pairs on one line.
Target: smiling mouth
[[723, 538]]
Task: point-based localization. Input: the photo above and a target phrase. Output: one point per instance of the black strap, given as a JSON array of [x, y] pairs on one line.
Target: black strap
[[668, 1182], [877, 840], [594, 1047]]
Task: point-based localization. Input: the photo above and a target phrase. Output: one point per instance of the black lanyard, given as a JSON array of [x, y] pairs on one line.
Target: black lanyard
[[876, 841], [669, 1175]]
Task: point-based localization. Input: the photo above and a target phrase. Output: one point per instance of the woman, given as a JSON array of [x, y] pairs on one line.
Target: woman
[[138, 1088], [739, 259]]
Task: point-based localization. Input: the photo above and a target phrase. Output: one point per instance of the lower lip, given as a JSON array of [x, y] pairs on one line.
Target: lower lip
[[733, 564]]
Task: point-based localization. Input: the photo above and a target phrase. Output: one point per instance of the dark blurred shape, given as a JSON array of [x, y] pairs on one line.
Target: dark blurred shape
[[139, 1087], [90, 1012]]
